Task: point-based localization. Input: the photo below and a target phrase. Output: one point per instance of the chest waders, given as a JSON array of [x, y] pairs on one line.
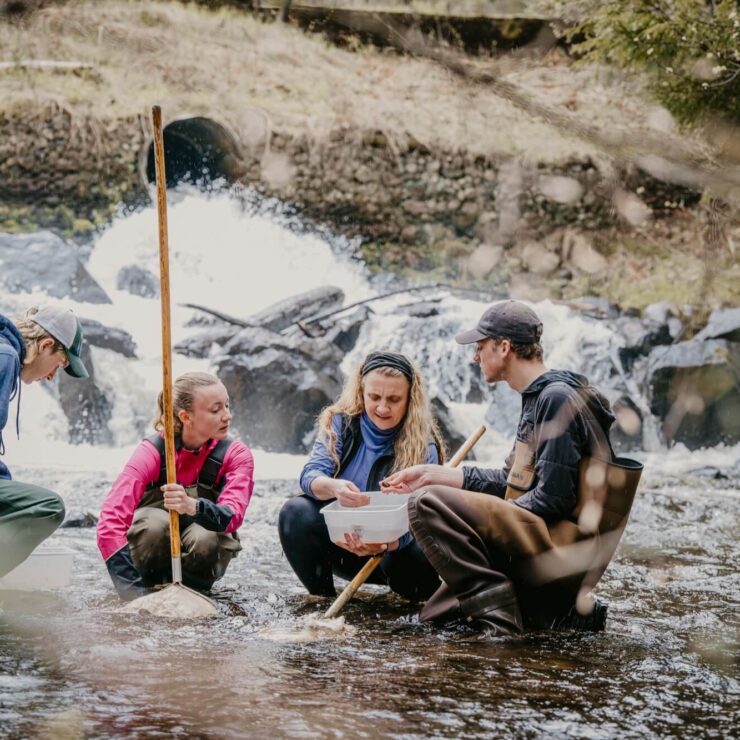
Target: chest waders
[[206, 553], [585, 542], [493, 555], [204, 487]]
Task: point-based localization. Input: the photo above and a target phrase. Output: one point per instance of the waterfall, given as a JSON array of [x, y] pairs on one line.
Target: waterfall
[[241, 260]]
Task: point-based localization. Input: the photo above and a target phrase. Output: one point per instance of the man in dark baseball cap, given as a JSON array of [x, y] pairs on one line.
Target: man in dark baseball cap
[[510, 320], [478, 526]]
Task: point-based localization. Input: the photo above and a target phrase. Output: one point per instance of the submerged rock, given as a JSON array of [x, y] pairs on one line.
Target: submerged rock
[[79, 520]]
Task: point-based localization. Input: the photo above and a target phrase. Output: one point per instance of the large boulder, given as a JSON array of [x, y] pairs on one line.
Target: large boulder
[[452, 437], [693, 388], [138, 280], [626, 432], [46, 262], [504, 411], [278, 384], [108, 337], [204, 343], [280, 317], [86, 407], [724, 323], [639, 336], [283, 314]]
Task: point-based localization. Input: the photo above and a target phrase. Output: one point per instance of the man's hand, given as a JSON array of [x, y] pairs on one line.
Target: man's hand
[[353, 542], [176, 499], [420, 476]]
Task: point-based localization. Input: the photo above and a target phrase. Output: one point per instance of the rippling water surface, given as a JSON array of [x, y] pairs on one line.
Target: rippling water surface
[[70, 666]]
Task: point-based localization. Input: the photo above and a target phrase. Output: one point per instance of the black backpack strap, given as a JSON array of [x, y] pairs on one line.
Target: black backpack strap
[[351, 440], [158, 443], [211, 467]]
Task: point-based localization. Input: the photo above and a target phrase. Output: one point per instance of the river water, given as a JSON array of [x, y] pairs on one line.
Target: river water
[[72, 666]]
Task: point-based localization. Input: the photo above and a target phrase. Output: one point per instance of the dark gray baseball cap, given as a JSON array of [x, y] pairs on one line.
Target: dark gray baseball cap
[[510, 320], [65, 327]]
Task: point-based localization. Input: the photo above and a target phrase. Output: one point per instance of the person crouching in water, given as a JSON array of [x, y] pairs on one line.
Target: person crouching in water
[[32, 348], [485, 529], [381, 423], [215, 477]]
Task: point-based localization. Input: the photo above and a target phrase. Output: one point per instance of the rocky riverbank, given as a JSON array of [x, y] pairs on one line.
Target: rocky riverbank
[[433, 173], [283, 364]]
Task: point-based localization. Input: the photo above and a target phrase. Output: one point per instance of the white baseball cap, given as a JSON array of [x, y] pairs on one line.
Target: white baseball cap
[[65, 327]]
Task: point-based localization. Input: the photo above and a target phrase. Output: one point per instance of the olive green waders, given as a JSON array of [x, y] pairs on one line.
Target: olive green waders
[[205, 554], [28, 515]]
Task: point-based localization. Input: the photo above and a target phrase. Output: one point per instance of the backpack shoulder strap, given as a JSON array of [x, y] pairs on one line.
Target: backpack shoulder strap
[[351, 439], [211, 467], [158, 443]]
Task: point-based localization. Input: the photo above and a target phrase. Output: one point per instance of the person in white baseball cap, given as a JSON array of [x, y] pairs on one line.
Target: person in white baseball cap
[[32, 348]]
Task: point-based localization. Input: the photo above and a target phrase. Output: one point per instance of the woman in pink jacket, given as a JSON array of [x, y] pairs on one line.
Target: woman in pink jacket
[[215, 478]]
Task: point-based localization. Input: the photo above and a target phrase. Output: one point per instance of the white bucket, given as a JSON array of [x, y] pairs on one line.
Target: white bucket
[[384, 519], [47, 568]]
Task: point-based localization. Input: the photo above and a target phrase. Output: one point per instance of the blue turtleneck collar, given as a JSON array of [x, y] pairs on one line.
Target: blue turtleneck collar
[[375, 438]]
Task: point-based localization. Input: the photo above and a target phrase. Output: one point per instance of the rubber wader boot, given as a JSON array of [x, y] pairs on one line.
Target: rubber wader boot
[[494, 611], [594, 621]]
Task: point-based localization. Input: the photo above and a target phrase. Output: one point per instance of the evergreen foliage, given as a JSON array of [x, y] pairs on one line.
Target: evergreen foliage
[[690, 50]]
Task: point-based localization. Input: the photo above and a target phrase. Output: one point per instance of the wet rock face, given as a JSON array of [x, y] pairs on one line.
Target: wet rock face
[[301, 307], [453, 438], [86, 406], [693, 388], [84, 402], [107, 337], [626, 432], [138, 281], [281, 316], [45, 261], [723, 324], [278, 385], [640, 336], [280, 376]]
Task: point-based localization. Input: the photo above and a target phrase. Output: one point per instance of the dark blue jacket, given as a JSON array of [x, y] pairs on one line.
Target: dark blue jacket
[[562, 431], [12, 353]]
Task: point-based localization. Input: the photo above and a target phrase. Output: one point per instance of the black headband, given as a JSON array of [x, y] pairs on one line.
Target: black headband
[[388, 359]]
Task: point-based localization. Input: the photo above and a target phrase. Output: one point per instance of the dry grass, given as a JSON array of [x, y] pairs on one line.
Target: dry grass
[[252, 75]]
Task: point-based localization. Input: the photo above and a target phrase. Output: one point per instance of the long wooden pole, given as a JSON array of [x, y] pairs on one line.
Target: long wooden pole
[[164, 283], [364, 573]]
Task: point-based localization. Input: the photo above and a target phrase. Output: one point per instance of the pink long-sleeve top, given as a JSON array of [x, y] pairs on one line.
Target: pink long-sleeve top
[[143, 468]]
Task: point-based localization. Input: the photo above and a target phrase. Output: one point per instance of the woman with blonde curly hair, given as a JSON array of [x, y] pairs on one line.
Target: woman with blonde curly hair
[[381, 423]]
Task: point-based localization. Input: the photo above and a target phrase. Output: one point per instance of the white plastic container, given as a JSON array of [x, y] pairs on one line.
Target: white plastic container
[[47, 568], [384, 519]]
